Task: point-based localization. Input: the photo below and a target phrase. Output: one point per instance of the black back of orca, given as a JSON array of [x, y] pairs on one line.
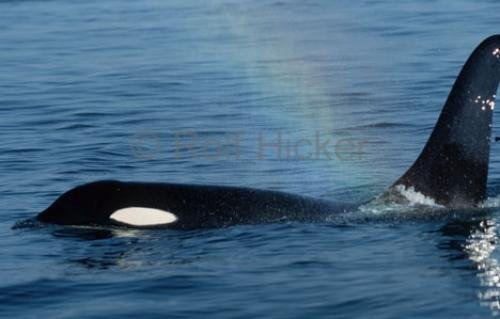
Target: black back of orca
[[180, 206], [452, 169]]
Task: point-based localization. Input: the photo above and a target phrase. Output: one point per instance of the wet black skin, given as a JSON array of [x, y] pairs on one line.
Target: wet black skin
[[453, 166], [196, 206], [452, 169]]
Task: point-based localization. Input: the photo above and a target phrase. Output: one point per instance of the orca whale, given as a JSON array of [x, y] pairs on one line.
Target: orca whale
[[452, 169]]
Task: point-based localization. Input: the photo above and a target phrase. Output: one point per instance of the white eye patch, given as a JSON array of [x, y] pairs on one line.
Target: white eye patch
[[143, 216]]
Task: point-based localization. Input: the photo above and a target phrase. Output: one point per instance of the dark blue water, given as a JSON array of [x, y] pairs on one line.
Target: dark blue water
[[204, 92]]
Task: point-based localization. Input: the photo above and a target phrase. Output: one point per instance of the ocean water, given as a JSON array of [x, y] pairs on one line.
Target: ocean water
[[237, 93]]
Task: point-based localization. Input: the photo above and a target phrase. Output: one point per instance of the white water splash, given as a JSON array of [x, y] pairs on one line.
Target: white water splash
[[373, 208], [491, 202], [399, 200], [414, 197]]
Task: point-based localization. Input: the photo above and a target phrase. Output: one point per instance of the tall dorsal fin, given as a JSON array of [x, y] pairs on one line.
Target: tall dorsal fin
[[453, 166]]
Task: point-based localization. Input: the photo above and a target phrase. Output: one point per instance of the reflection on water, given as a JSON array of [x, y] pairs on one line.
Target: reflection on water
[[479, 248], [104, 248], [126, 249]]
